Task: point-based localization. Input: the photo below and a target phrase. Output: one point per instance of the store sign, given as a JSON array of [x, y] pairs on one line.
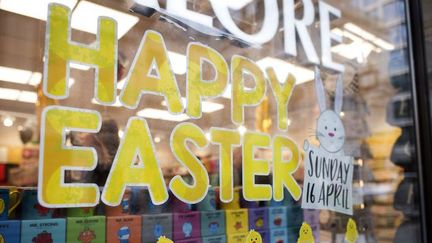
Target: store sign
[[151, 73], [328, 171], [293, 27]]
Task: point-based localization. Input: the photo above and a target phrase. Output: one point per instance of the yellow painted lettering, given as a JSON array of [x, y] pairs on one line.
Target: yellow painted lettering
[[55, 157], [242, 96], [253, 166], [151, 73], [283, 170], [59, 51], [282, 92], [127, 170], [180, 135], [198, 88], [226, 139]]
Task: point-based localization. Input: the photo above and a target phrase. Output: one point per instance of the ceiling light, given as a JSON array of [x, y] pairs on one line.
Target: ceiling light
[[206, 106], [161, 115], [242, 130], [116, 104], [356, 50], [368, 36], [8, 121], [178, 62], [35, 79], [19, 76], [283, 68], [237, 4], [120, 133], [27, 96], [86, 14], [9, 94], [18, 95], [227, 93], [37, 9], [121, 83], [84, 17], [359, 31], [157, 139], [15, 75], [79, 66], [208, 135]]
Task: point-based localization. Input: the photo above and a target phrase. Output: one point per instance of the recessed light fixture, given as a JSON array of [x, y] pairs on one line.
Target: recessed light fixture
[[18, 95], [27, 96], [361, 44], [178, 64], [283, 68], [8, 121], [208, 135], [242, 130], [116, 104], [79, 66], [37, 9], [161, 115], [157, 139], [85, 15], [19, 76], [368, 36], [206, 106]]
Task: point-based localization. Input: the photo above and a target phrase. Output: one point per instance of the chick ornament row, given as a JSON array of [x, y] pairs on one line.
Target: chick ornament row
[[305, 234]]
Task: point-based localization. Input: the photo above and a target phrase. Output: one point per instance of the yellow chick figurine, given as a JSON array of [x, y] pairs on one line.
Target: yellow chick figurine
[[351, 234], [305, 234], [163, 239], [253, 237]]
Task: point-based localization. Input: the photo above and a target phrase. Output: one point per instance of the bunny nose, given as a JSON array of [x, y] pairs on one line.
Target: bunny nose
[[331, 134]]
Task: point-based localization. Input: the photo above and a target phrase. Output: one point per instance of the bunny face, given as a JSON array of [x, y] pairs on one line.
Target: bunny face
[[330, 131]]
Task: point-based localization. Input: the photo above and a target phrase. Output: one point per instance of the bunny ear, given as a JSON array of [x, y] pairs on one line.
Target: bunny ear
[[319, 89], [338, 95]]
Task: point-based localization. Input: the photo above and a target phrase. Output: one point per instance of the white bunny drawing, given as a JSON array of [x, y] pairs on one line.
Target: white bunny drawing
[[330, 131], [328, 171]]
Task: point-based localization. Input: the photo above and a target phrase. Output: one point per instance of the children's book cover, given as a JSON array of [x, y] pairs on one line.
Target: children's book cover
[[186, 225], [155, 226], [237, 221], [212, 223], [123, 229], [43, 231], [86, 229], [10, 231]]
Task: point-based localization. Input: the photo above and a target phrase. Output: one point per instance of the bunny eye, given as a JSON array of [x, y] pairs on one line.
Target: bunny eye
[[325, 127]]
